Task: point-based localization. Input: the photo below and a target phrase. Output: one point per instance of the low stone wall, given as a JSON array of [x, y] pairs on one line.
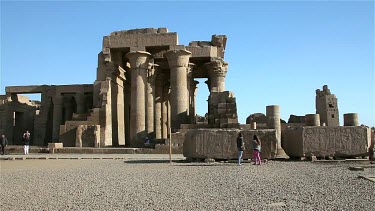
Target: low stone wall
[[221, 143], [326, 141], [88, 136]]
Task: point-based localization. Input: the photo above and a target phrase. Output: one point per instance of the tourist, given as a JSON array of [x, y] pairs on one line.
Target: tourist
[[147, 142], [26, 142], [256, 150], [3, 143], [240, 147]]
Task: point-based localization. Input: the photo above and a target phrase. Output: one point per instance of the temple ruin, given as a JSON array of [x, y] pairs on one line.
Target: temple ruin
[[145, 87]]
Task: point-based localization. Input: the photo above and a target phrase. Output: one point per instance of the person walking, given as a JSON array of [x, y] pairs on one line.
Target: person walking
[[256, 150], [26, 142], [240, 147], [3, 143]]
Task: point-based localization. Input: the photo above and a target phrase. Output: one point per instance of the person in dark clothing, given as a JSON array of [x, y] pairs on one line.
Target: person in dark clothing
[[240, 147], [3, 143]]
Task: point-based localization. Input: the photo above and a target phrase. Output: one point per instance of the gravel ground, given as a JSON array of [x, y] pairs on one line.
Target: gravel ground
[[158, 185]]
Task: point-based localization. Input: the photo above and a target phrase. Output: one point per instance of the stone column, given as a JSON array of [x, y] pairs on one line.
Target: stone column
[[68, 108], [217, 70], [158, 105], [150, 97], [57, 116], [105, 98], [193, 88], [351, 119], [138, 63], [80, 100], [178, 62], [118, 109], [273, 121], [164, 108], [312, 120], [189, 83]]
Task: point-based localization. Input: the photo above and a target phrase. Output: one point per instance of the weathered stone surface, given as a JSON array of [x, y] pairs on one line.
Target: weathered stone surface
[[55, 145], [327, 107], [326, 141], [88, 136], [221, 143]]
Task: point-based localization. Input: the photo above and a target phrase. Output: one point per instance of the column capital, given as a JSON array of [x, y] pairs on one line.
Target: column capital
[[217, 67], [194, 84], [190, 68], [178, 58], [151, 71], [138, 59], [208, 82]]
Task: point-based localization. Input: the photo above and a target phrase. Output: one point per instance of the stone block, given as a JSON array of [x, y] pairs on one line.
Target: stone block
[[55, 145], [88, 136], [222, 106], [221, 143], [221, 111], [224, 121], [202, 51], [234, 125], [121, 40], [193, 43], [162, 30], [232, 110], [231, 115], [231, 100], [231, 105], [68, 138], [326, 141]]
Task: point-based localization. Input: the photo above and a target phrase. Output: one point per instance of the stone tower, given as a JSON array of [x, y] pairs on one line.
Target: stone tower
[[326, 107]]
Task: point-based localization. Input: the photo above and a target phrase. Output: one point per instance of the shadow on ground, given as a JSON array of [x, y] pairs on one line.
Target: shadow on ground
[[152, 161]]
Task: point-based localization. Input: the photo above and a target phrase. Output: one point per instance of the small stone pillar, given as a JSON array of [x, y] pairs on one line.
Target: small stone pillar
[[273, 121], [80, 100], [312, 120], [351, 119], [253, 125], [217, 70], [57, 116], [138, 63], [178, 61]]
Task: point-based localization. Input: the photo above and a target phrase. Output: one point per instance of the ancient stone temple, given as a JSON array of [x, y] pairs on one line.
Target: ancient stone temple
[[144, 87]]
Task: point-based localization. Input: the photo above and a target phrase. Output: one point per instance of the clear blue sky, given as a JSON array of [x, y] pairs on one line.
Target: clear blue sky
[[279, 52]]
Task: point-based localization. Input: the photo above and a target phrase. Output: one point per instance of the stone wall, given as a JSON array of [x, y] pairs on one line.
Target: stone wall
[[223, 110], [221, 143], [88, 136], [326, 141]]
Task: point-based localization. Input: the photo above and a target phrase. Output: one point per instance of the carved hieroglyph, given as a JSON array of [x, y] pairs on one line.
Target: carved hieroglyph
[[221, 143], [326, 141]]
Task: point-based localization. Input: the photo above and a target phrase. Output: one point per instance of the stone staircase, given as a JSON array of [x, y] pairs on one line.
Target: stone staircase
[[69, 129]]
